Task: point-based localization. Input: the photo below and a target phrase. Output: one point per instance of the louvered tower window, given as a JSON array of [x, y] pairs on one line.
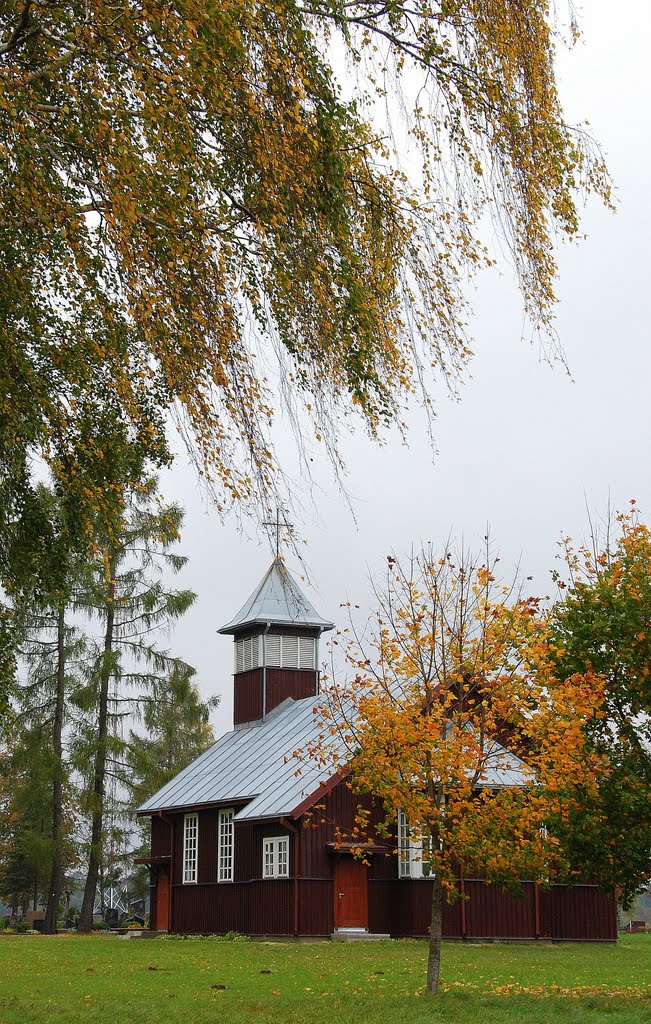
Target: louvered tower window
[[248, 653], [279, 652]]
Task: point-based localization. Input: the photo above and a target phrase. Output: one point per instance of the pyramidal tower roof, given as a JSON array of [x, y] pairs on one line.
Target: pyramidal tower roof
[[279, 600]]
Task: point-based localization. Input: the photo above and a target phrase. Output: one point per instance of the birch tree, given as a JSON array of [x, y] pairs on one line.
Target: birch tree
[[189, 196]]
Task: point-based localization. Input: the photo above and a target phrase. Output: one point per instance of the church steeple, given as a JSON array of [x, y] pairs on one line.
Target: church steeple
[[276, 634]]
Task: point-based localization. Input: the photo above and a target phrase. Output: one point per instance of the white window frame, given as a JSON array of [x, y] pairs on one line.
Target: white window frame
[[412, 858], [226, 845], [275, 857], [190, 848]]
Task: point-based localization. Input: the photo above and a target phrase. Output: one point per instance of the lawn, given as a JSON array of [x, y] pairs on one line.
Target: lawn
[[105, 979]]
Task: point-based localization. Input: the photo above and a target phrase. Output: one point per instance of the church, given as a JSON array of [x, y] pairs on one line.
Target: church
[[238, 845]]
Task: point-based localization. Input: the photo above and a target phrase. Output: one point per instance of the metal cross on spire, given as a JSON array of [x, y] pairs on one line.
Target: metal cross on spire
[[279, 525]]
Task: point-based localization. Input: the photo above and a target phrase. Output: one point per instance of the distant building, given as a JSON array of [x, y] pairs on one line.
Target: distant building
[[229, 851]]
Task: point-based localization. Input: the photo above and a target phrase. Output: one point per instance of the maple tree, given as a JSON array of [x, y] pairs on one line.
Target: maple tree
[[602, 622], [186, 189], [456, 719]]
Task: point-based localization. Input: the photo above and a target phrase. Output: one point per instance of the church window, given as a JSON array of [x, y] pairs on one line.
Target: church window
[[225, 856], [190, 847], [412, 853], [275, 861]]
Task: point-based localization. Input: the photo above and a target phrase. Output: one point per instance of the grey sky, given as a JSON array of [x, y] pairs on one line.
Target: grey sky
[[526, 447]]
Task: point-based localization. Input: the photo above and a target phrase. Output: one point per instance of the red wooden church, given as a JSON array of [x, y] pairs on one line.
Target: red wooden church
[[229, 850]]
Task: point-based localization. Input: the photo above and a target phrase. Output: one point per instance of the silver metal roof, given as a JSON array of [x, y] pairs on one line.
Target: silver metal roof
[[257, 765], [279, 600], [254, 764], [502, 768]]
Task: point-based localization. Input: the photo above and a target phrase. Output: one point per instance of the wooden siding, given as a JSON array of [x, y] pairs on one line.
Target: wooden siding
[[254, 908], [316, 906], [153, 900], [160, 837], [336, 811], [578, 912], [247, 704], [491, 912], [282, 683], [398, 907], [161, 845]]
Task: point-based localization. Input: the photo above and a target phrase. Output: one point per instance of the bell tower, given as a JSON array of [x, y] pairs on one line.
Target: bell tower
[[276, 640]]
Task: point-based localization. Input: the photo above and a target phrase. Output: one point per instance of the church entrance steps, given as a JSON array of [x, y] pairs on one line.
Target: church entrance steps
[[357, 935]]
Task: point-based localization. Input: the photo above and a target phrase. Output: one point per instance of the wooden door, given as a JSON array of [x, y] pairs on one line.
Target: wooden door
[[351, 893], [163, 901]]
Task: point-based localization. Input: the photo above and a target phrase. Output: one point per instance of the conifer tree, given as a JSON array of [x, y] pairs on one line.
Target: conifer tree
[[49, 651], [125, 595], [27, 768], [51, 655], [176, 726]]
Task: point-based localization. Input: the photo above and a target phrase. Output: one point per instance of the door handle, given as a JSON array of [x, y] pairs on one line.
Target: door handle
[[340, 895]]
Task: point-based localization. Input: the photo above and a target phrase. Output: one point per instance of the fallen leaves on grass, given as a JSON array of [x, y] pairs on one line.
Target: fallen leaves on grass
[[565, 991]]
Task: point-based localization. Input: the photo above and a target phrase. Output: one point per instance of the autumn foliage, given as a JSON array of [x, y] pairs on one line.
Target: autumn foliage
[[192, 209], [602, 623], [455, 715]]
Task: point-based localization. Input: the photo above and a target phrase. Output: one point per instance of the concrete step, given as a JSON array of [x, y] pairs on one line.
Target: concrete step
[[346, 935]]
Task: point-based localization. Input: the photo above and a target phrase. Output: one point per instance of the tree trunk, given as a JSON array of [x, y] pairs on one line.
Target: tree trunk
[[436, 931], [56, 878], [99, 782]]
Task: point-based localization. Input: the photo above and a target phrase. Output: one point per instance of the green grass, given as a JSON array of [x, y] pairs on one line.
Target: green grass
[[105, 979]]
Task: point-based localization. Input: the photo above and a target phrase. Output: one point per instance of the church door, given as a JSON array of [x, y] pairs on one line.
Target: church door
[[351, 893], [163, 901]]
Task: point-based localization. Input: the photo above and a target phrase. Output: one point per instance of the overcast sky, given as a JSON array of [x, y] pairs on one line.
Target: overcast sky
[[527, 449]]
